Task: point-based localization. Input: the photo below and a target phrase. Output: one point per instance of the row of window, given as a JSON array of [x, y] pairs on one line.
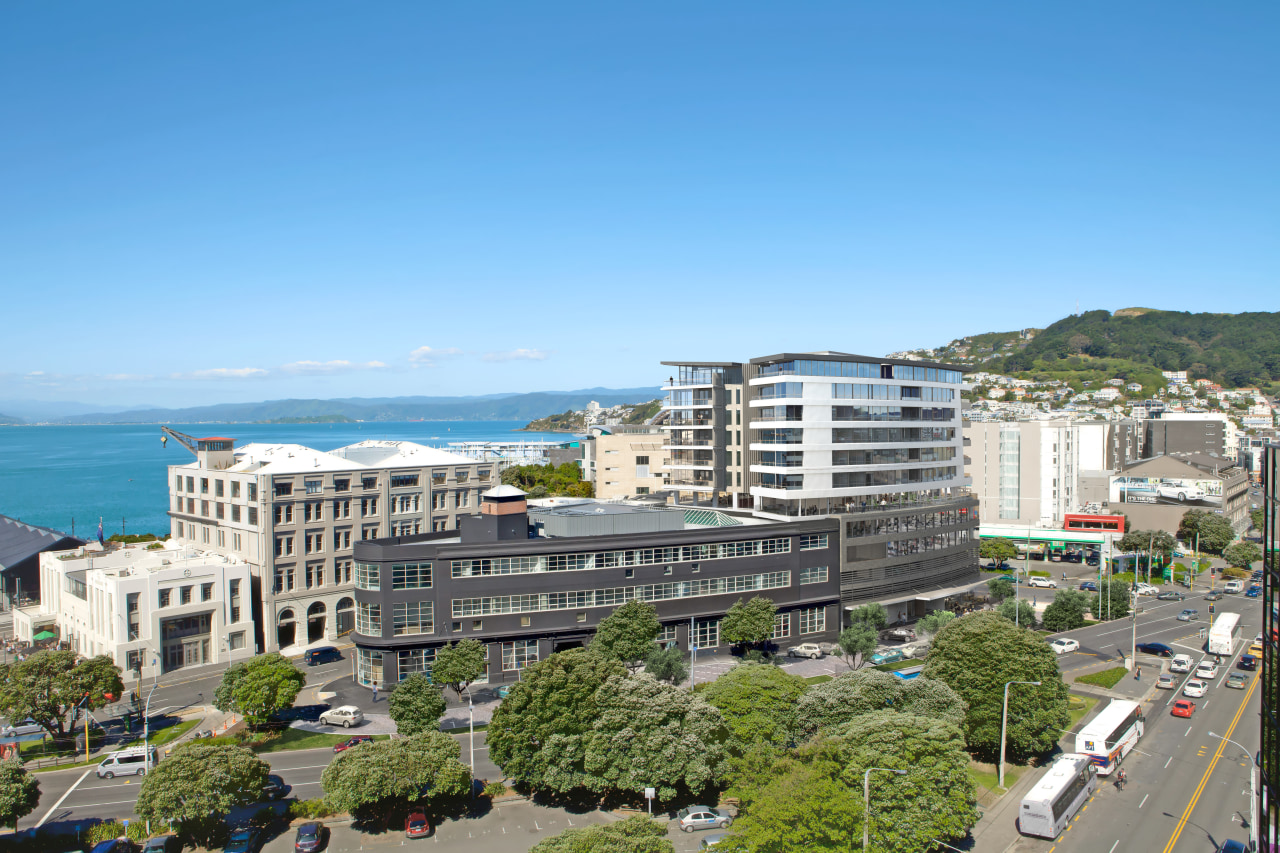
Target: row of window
[[285, 578], [866, 435], [613, 559], [915, 521], [892, 456], [863, 479], [403, 576], [892, 413], [842, 391], [860, 370], [936, 542], [218, 487], [185, 594]]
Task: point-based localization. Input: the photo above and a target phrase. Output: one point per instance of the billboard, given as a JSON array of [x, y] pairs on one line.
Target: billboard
[[1177, 491]]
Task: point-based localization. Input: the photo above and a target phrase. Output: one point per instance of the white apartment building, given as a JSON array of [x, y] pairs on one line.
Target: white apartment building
[[293, 514], [152, 610]]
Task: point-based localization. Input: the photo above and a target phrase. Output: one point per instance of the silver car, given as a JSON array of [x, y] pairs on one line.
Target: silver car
[[702, 817], [346, 716]]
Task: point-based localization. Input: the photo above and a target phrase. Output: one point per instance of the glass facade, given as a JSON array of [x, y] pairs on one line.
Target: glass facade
[[860, 370]]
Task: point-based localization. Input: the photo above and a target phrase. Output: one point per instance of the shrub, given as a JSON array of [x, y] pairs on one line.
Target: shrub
[[110, 829], [308, 809], [493, 790], [1039, 573], [1107, 678]]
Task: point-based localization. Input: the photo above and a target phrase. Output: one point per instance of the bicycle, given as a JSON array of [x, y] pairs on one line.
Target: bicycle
[[1120, 780]]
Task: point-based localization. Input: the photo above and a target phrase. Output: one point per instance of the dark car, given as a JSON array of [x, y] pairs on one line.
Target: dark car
[[1157, 649], [1171, 596], [416, 825], [1248, 662], [1253, 591], [1092, 560], [350, 742], [322, 654], [1230, 846], [243, 840], [1212, 595], [1092, 586], [310, 837], [114, 845], [162, 844], [275, 788]]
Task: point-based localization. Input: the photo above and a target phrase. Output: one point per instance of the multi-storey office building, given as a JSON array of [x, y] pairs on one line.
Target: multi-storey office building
[[874, 442], [294, 514], [526, 598], [1269, 755], [704, 424]]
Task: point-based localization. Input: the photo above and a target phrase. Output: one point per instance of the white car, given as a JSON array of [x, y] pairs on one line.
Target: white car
[[345, 716], [1181, 663], [1180, 492], [805, 650], [1047, 583], [1195, 688], [1147, 589], [1165, 681], [1207, 669], [1062, 645]]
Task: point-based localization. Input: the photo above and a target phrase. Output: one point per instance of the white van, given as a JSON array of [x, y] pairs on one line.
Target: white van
[[1233, 586], [126, 762], [1181, 663]]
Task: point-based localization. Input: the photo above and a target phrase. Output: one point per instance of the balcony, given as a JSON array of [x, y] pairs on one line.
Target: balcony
[[675, 422], [676, 443], [680, 402]]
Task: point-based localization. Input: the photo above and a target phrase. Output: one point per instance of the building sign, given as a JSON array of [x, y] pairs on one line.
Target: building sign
[[1166, 490]]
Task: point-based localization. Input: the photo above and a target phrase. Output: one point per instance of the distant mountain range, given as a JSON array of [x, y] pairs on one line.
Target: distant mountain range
[[492, 407]]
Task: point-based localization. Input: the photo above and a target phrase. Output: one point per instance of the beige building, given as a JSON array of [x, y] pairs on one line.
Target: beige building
[[1156, 493], [294, 513], [624, 461]]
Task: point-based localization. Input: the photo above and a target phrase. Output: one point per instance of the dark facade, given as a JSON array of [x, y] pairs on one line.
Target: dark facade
[[20, 547], [1162, 436], [1269, 755], [527, 598]]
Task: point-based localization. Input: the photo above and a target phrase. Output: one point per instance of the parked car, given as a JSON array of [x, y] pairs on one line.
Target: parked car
[[1062, 645], [350, 742], [1157, 649], [1207, 669], [416, 825], [1248, 662], [887, 656], [310, 837], [915, 650], [244, 839], [1181, 663], [1237, 680], [1233, 846], [321, 654], [1165, 681], [898, 635], [1195, 688], [504, 691], [805, 650], [26, 727], [1092, 586], [713, 840], [1043, 583], [162, 844], [113, 845], [702, 817], [1190, 614], [1171, 596], [1213, 595], [345, 716], [1183, 708], [275, 788]]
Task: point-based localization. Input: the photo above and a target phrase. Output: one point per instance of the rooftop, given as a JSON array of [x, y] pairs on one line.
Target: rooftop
[[258, 458]]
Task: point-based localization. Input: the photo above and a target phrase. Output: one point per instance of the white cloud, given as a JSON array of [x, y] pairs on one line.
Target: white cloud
[[518, 355], [426, 356], [323, 368], [223, 373]]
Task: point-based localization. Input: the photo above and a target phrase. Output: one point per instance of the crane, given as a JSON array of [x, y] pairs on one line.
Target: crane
[[181, 437]]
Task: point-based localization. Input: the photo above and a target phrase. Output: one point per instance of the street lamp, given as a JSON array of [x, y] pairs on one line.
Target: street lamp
[[1253, 791], [146, 729], [1004, 723], [471, 709], [866, 800]]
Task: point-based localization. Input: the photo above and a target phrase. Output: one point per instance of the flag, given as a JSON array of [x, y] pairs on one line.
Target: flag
[[100, 541]]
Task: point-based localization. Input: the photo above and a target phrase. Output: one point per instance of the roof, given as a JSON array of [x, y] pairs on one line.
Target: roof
[[701, 363], [391, 454], [830, 355], [20, 541], [504, 491], [281, 459]]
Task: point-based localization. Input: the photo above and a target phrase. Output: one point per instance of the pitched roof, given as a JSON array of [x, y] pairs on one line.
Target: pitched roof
[[19, 540]]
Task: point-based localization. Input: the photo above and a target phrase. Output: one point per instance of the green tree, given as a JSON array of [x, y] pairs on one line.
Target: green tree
[[858, 643], [1111, 601], [848, 696], [416, 705], [998, 550], [976, 655], [999, 589], [801, 804], [19, 792], [198, 785], [636, 834], [934, 621], [1257, 518], [1214, 531], [385, 776], [627, 634], [871, 614], [667, 664], [458, 664], [259, 687], [1025, 613], [49, 685], [1066, 611], [758, 702], [749, 624], [1241, 554], [538, 734]]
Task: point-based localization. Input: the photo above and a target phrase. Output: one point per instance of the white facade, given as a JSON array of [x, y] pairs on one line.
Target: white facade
[[151, 611], [1028, 472]]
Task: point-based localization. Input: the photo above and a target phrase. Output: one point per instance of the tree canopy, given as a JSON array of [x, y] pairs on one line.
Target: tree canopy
[[749, 624], [198, 785], [19, 792], [259, 687], [458, 664], [1066, 611], [858, 643], [636, 834], [416, 705], [1111, 601], [628, 633], [999, 589], [871, 614], [998, 550], [758, 702], [1215, 532], [1241, 554], [934, 621], [1150, 541], [1019, 611], [48, 686], [543, 480], [846, 697], [670, 665], [976, 655], [373, 778]]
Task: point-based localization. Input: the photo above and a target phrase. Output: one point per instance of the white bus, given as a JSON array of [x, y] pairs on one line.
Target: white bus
[[1055, 799], [1224, 633], [1110, 735]]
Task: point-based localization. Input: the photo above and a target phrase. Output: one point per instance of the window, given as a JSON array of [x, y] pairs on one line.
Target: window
[[477, 625], [284, 579], [368, 507], [342, 539], [411, 576], [813, 620], [813, 541], [519, 654], [191, 484], [482, 475], [342, 572], [233, 595], [342, 485], [284, 513], [284, 546], [217, 488], [315, 487], [368, 483], [204, 508], [185, 595], [666, 634], [437, 478], [461, 476], [177, 483], [283, 490], [235, 513], [526, 621], [817, 574], [367, 576], [369, 619], [459, 499], [369, 667], [369, 531], [253, 491], [629, 573], [781, 626], [204, 485], [642, 490], [235, 640], [415, 661], [642, 460], [580, 616], [253, 515], [399, 481], [342, 509], [412, 617], [438, 500], [706, 633], [206, 592], [315, 575], [235, 488], [165, 595]]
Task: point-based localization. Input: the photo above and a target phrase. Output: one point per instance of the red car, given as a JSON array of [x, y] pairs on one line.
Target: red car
[[416, 825], [350, 742], [1183, 708]]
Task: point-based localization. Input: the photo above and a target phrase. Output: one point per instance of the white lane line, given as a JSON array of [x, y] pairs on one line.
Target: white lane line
[[116, 803], [50, 812], [1167, 763], [1144, 801], [1187, 732], [1114, 846], [291, 769]]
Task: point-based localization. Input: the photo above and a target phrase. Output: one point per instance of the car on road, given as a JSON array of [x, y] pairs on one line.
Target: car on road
[[1256, 648], [1248, 662], [1183, 708], [353, 741], [915, 650], [504, 691], [1091, 586], [898, 635], [1213, 595], [1237, 680], [244, 839], [702, 817], [1181, 663], [416, 825], [1157, 649], [1165, 681], [26, 727], [1009, 578], [275, 788], [1253, 591], [1190, 614], [1207, 669], [887, 656], [1062, 645], [310, 837], [1171, 596], [805, 650], [1232, 587], [1147, 589], [323, 654], [1043, 583], [1195, 688], [345, 716], [1233, 846]]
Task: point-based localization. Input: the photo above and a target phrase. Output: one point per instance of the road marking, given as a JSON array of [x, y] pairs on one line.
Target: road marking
[[64, 796], [1114, 846], [1187, 732], [116, 803], [1167, 763], [1213, 762], [1144, 801]]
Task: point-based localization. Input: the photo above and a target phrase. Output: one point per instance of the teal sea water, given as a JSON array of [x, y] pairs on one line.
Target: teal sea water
[[52, 475]]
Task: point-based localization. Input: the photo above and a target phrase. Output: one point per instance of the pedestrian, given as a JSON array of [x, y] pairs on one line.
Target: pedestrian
[[1137, 673], [375, 692]]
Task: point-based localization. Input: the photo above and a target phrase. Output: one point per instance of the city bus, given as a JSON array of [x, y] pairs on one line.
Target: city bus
[[1224, 634], [1057, 797], [1110, 735]]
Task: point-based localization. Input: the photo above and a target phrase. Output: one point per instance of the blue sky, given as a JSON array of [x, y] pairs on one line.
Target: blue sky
[[241, 201]]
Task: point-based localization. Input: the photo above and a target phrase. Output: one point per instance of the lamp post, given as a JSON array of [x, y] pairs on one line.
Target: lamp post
[[866, 800], [1253, 791], [1004, 723], [146, 729], [471, 710]]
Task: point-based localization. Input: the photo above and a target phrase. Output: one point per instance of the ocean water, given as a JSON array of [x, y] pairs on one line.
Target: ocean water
[[65, 476]]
